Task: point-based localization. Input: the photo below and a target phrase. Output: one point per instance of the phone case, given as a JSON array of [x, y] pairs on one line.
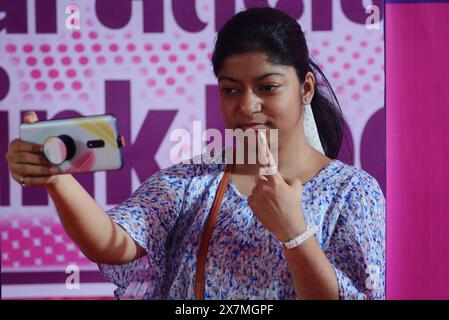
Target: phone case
[[82, 144]]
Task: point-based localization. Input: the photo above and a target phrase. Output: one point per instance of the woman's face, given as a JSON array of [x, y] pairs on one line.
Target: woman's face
[[257, 94]]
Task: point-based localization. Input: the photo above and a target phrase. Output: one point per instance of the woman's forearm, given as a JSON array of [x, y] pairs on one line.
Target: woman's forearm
[[89, 226], [312, 273]]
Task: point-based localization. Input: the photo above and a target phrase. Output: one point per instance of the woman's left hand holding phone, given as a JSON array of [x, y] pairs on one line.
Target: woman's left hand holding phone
[[27, 162], [87, 224]]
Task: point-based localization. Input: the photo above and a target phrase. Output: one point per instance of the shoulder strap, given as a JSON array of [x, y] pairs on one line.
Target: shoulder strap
[[207, 233]]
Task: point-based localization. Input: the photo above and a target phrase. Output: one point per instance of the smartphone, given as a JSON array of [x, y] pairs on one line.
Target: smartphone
[[84, 144]]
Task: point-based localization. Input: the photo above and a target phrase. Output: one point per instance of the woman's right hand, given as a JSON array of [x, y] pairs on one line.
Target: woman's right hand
[[27, 162]]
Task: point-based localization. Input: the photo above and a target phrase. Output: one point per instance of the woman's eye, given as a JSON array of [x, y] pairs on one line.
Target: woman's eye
[[229, 90], [269, 88]]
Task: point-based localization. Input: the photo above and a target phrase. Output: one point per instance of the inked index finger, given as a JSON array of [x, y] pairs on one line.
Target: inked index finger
[[270, 168]]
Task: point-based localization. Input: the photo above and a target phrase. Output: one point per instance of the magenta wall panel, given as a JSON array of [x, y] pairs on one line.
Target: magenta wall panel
[[417, 78]]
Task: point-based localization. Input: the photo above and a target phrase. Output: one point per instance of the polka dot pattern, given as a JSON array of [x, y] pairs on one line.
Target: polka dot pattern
[[352, 65]]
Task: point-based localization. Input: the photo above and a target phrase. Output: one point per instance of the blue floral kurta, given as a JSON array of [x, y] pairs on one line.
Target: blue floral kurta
[[167, 213]]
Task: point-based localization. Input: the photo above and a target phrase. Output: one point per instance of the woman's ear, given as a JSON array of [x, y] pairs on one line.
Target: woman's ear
[[308, 88]]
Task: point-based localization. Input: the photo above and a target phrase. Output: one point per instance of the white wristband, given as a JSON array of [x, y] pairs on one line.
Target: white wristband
[[296, 241]]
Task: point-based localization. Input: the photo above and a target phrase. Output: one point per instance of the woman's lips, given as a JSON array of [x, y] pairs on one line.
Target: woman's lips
[[253, 126]]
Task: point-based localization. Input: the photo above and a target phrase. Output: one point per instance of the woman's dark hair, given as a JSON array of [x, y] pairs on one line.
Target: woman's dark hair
[[279, 36]]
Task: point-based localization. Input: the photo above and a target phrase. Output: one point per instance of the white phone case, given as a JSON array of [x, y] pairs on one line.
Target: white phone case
[[82, 144]]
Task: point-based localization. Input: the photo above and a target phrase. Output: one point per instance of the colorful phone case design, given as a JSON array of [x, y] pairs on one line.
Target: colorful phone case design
[[79, 144]]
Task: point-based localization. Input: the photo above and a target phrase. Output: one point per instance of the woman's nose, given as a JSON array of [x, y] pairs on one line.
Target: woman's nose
[[249, 103]]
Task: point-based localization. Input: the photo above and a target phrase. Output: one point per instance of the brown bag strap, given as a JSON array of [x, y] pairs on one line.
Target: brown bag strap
[[207, 233]]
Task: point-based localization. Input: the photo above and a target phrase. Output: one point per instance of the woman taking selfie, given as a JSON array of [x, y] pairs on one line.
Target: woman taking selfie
[[314, 228]]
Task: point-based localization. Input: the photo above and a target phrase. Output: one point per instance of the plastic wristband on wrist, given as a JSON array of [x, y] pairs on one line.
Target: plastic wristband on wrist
[[297, 241]]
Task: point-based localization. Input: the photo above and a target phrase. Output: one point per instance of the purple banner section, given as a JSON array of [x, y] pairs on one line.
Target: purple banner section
[[153, 130], [417, 151], [373, 151], [117, 14], [4, 173], [48, 277]]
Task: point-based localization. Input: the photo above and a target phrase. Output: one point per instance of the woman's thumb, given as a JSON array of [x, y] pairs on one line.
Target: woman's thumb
[[30, 117]]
